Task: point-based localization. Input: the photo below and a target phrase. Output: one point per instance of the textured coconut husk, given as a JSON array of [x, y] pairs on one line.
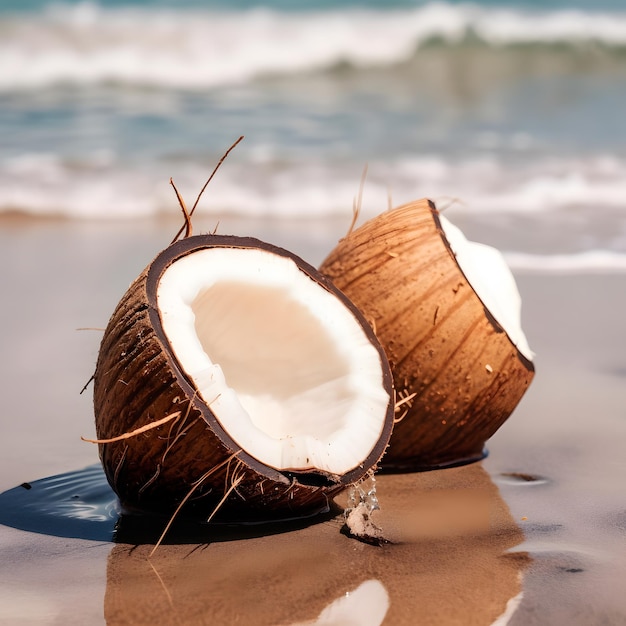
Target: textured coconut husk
[[457, 369], [190, 457]]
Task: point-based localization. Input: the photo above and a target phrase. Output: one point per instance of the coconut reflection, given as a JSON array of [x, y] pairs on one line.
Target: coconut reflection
[[448, 559], [367, 605]]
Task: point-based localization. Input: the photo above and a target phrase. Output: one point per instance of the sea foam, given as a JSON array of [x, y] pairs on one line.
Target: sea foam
[[104, 185], [86, 43], [585, 262]]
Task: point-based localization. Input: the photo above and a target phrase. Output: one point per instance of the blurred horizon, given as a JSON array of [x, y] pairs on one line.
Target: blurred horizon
[[514, 108]]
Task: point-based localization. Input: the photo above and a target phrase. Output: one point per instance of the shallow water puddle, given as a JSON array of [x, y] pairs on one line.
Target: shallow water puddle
[[448, 531], [76, 504]]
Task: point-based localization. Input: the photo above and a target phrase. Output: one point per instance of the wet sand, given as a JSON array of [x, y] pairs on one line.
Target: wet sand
[[538, 527]]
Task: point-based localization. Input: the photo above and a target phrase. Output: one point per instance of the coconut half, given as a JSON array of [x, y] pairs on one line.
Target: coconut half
[[280, 393], [488, 274], [447, 312]]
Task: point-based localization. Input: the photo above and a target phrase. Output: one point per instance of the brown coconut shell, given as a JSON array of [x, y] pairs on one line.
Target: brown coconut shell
[[138, 382], [442, 343]]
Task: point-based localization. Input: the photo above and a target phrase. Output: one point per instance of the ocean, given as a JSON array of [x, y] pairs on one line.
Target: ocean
[[508, 113]]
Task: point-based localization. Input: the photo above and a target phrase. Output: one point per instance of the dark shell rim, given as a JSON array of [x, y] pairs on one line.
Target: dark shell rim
[[191, 244], [528, 364]]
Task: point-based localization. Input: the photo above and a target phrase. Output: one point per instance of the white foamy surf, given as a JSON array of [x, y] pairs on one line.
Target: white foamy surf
[[586, 262], [103, 186], [85, 43]]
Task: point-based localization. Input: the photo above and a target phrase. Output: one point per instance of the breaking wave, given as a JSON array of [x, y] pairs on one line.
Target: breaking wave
[[104, 186], [85, 43], [586, 262]]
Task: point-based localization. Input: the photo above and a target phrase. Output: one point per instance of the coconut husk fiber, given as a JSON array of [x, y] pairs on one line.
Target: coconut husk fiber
[[456, 369]]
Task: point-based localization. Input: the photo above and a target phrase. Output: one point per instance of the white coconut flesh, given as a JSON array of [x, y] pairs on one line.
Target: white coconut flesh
[[283, 364], [489, 275]]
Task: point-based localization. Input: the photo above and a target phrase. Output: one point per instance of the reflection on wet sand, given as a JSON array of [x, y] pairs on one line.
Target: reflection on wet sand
[[446, 562], [367, 605]]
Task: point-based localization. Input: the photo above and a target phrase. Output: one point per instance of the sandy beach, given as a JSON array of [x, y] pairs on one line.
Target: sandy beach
[[508, 114], [533, 534]]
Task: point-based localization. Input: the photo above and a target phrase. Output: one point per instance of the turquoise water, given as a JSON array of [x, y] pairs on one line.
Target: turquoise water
[[514, 108]]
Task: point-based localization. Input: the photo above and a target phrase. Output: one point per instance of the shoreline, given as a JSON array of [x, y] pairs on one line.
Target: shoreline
[[559, 529]]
